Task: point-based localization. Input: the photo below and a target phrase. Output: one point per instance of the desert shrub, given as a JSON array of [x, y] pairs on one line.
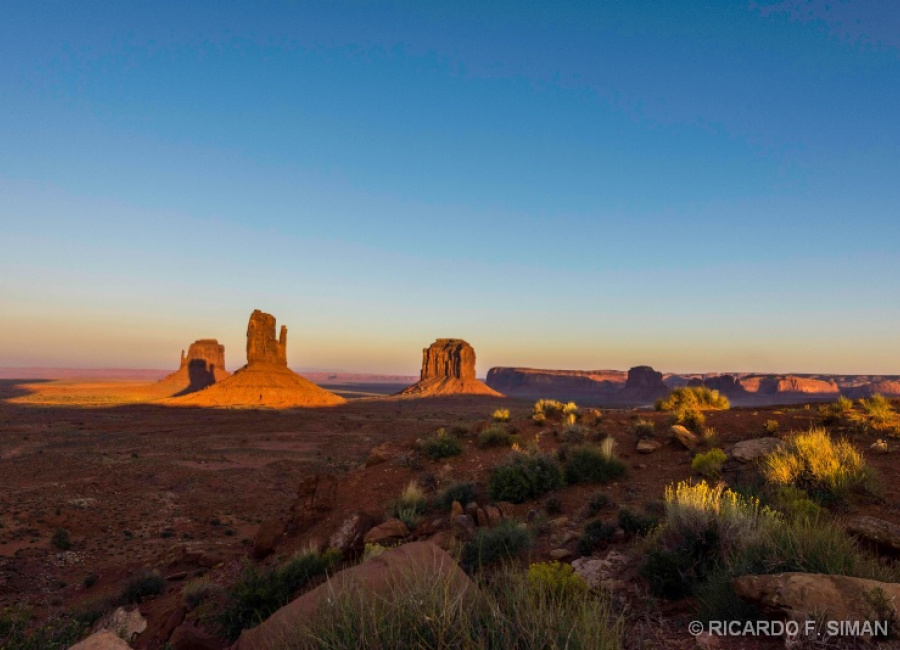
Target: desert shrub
[[462, 492], [495, 436], [594, 534], [573, 434], [198, 590], [61, 539], [500, 415], [18, 633], [690, 418], [771, 427], [836, 411], [692, 397], [641, 428], [409, 506], [552, 506], [709, 464], [829, 470], [524, 476], [633, 523], [709, 436], [505, 610], [795, 503], [89, 580], [596, 503], [551, 409], [259, 591], [556, 579], [440, 445], [372, 550], [459, 431], [491, 545], [878, 409], [146, 583], [589, 464]]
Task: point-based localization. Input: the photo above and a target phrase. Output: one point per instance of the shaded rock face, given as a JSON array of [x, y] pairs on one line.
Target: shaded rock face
[[202, 366], [262, 346], [448, 367], [448, 358], [644, 378]]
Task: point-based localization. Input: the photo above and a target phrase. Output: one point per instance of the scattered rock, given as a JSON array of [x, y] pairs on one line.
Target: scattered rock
[[126, 624], [872, 529], [448, 367], [648, 445], [880, 446], [383, 576], [463, 527], [750, 450], [103, 640], [688, 439], [481, 518], [390, 530], [601, 573], [560, 554], [798, 596], [380, 454], [267, 537]]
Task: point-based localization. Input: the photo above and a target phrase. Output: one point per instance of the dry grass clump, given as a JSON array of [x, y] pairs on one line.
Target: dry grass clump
[[693, 397], [550, 409], [409, 506], [500, 415]]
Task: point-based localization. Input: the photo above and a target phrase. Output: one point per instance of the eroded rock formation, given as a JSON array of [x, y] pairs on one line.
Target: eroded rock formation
[[556, 384], [448, 367], [265, 381], [202, 366]]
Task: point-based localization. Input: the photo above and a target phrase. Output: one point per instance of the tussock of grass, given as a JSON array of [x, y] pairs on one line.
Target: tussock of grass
[[495, 436], [500, 415], [590, 464], [524, 476], [440, 445], [709, 464], [693, 397], [409, 506]]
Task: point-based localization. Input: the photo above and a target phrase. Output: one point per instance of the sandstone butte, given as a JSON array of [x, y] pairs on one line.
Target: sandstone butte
[[448, 368], [202, 366], [265, 381]]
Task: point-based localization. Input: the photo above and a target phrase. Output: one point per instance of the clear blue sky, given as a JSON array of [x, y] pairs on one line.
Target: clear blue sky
[[698, 186]]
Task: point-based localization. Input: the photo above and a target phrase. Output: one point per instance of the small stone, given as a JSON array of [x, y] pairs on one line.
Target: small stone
[[560, 554], [687, 439], [880, 446], [647, 445], [390, 530]]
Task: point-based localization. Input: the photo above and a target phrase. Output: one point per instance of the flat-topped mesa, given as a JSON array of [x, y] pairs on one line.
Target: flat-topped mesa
[[266, 381], [448, 367], [262, 346], [643, 384], [202, 366], [448, 358]]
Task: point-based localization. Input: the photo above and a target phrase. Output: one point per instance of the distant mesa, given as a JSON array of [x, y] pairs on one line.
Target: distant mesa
[[643, 383], [448, 368], [556, 384], [203, 366], [265, 381]]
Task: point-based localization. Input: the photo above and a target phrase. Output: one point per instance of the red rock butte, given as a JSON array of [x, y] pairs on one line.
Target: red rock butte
[[448, 368], [202, 366], [265, 381]]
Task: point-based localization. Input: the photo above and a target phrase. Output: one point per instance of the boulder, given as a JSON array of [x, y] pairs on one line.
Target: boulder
[[456, 510], [601, 573], [190, 637], [647, 445], [124, 623], [801, 596], [103, 640], [349, 537], [316, 497], [747, 451], [382, 576], [560, 554], [688, 439], [391, 530], [378, 455], [880, 446], [448, 367], [872, 529], [267, 537], [494, 515]]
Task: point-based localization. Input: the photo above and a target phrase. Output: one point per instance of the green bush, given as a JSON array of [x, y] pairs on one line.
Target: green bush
[[595, 533], [633, 523], [555, 579], [836, 412], [589, 464], [61, 539], [495, 436], [692, 397], [440, 445], [409, 506], [641, 428], [596, 503], [259, 591], [524, 476], [146, 583], [829, 470], [709, 464], [491, 545], [506, 609], [573, 434], [462, 492], [690, 418]]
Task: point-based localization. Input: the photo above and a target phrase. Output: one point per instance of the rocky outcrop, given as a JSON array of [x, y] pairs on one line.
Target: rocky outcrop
[[448, 368], [202, 366], [883, 533], [747, 451], [644, 384], [104, 640], [555, 384], [385, 576], [792, 384], [265, 381], [802, 596]]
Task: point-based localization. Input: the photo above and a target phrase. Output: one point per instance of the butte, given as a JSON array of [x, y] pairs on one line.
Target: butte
[[203, 366], [265, 381], [448, 368]]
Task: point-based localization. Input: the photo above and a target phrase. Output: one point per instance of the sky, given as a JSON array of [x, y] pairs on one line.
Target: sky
[[696, 186]]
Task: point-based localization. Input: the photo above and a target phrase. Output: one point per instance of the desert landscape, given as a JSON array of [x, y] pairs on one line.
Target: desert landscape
[[165, 514]]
